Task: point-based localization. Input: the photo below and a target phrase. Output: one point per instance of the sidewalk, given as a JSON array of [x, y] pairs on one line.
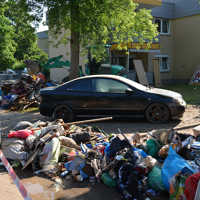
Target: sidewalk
[[8, 190]]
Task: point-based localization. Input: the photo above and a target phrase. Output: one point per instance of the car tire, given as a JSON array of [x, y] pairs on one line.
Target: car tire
[[63, 112], [157, 113]]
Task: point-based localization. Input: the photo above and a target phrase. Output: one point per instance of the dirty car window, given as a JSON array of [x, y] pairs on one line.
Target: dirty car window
[[109, 85], [81, 85]]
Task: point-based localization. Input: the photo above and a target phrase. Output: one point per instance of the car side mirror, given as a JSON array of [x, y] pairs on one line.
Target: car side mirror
[[129, 91]]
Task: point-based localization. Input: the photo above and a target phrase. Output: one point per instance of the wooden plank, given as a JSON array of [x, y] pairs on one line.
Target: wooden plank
[[156, 70], [140, 72]]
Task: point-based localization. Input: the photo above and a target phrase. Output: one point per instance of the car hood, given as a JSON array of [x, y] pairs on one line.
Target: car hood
[[47, 89], [167, 93]]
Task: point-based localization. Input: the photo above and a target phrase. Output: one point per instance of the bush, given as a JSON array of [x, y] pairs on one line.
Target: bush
[[18, 65]]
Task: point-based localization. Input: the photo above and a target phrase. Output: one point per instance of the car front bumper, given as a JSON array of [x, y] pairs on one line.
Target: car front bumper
[[177, 110]]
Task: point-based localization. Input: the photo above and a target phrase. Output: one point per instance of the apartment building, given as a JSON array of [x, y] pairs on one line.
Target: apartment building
[[179, 41], [177, 47]]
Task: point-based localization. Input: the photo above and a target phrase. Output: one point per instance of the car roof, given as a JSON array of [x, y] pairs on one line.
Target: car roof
[[120, 78]]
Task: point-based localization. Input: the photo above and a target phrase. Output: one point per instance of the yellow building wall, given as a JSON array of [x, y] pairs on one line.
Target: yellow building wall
[[57, 50], [166, 48], [186, 46]]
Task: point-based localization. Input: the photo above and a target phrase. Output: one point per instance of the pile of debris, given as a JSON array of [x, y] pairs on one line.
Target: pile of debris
[[22, 93], [140, 168]]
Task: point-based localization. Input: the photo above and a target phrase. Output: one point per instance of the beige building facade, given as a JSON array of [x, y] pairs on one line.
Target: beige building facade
[[43, 41], [48, 43], [177, 50]]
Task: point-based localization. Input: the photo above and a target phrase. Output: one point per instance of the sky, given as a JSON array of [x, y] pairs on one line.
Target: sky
[[41, 26]]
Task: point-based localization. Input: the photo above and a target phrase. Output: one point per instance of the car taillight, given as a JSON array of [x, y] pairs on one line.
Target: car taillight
[[40, 99]]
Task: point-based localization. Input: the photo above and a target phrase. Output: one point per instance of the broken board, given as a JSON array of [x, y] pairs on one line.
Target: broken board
[[156, 70], [140, 72]]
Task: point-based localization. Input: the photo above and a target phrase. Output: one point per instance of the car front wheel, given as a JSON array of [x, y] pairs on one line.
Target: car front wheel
[[157, 113], [63, 112]]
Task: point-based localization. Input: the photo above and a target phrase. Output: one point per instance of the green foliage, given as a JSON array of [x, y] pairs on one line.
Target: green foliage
[[103, 22], [18, 40], [7, 44], [18, 65], [99, 22], [191, 93]]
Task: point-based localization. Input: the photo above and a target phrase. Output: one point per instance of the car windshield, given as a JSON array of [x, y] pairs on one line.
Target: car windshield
[[134, 84]]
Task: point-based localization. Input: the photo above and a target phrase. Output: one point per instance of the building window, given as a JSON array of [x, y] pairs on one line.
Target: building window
[[163, 25], [164, 63]]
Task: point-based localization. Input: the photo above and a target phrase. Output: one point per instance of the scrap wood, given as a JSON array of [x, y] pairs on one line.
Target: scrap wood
[[29, 104], [66, 125], [140, 72], [186, 127], [175, 129], [90, 121]]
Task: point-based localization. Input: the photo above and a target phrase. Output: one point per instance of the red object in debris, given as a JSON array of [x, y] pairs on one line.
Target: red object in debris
[[191, 186], [20, 134], [41, 76], [101, 149]]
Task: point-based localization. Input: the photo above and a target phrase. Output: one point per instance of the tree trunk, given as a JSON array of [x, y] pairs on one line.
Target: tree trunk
[[75, 41]]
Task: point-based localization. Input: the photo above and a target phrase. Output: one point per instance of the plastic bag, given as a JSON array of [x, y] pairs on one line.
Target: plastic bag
[[14, 149], [177, 185], [22, 125], [152, 147], [20, 134], [172, 165], [107, 180], [50, 153], [155, 179]]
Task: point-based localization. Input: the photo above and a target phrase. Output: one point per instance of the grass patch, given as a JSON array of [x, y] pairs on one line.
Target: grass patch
[[31, 109], [191, 93]]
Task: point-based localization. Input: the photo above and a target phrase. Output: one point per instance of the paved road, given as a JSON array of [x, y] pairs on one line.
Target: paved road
[[192, 115]]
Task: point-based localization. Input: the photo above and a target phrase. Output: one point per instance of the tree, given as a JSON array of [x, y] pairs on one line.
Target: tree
[[17, 19], [98, 22], [25, 37], [7, 44]]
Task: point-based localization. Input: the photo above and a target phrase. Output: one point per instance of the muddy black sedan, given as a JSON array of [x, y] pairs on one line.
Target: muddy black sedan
[[109, 95]]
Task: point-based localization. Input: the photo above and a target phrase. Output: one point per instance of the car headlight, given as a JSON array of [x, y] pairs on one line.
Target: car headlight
[[180, 101]]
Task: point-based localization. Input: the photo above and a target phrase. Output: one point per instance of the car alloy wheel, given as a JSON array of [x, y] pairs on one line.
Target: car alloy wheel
[[157, 113]]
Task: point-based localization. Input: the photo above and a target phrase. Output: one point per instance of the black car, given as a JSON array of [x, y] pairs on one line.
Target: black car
[[101, 95]]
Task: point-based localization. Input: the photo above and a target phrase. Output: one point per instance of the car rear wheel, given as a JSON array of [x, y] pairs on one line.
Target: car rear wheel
[[157, 113], [63, 112]]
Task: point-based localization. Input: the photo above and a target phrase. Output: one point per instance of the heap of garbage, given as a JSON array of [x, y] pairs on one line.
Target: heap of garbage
[[20, 94], [141, 167]]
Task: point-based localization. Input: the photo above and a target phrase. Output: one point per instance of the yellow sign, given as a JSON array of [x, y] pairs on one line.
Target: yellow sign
[[132, 45], [149, 2]]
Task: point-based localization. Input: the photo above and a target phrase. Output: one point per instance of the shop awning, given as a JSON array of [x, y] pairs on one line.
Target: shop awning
[[137, 46], [149, 2]]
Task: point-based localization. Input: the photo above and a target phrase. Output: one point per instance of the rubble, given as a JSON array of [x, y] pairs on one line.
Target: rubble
[[22, 93], [141, 167]]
